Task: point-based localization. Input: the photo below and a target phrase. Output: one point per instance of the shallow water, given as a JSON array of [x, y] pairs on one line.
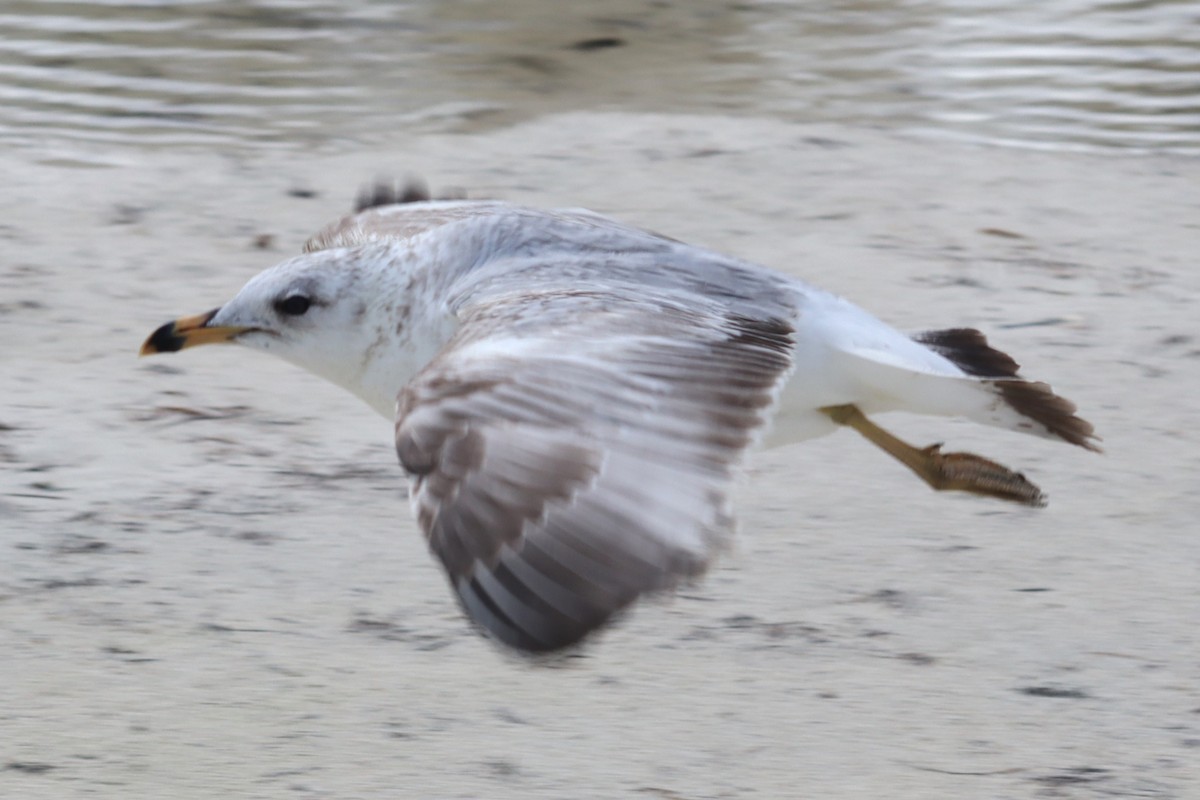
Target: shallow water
[[1070, 74], [210, 584], [209, 580]]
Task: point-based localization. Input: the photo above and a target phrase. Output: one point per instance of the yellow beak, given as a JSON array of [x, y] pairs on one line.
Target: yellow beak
[[189, 332]]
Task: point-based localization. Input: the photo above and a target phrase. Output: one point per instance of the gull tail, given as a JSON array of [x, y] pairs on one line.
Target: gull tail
[[1040, 411]]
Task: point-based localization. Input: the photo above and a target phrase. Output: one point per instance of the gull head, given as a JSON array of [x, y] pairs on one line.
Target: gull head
[[343, 314]]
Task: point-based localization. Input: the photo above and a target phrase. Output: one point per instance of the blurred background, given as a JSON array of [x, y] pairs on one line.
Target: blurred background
[[210, 583], [1066, 74]]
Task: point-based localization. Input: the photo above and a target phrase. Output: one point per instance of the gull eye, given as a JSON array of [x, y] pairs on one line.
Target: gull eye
[[293, 306]]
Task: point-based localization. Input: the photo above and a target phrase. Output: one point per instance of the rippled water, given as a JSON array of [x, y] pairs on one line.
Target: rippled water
[[1060, 74]]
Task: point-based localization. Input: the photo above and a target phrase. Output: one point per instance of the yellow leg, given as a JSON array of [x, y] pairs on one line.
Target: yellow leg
[[964, 472]]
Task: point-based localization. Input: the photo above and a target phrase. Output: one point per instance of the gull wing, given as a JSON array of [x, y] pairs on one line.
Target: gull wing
[[571, 451]]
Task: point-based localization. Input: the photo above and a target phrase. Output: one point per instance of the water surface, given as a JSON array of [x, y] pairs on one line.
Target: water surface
[[1070, 74]]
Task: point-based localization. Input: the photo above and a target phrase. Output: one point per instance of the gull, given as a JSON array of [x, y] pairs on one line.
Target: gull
[[573, 397]]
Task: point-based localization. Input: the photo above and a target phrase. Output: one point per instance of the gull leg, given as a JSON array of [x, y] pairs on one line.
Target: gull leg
[[964, 472]]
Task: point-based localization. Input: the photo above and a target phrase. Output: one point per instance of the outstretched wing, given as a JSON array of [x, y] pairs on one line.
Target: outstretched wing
[[571, 451]]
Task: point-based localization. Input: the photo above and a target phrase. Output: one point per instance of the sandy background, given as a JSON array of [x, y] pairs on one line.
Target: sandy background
[[210, 585]]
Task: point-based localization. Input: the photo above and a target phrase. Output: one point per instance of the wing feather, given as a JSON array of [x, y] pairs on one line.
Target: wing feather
[[560, 474]]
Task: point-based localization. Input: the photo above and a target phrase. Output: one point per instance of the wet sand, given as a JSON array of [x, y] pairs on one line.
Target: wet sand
[[210, 584]]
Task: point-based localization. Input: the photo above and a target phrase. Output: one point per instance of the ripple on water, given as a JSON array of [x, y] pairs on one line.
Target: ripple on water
[[1068, 74]]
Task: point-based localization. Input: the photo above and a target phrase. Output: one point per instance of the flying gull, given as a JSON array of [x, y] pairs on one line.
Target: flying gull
[[573, 396]]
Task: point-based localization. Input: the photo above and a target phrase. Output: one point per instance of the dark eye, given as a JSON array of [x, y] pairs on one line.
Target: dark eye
[[293, 306]]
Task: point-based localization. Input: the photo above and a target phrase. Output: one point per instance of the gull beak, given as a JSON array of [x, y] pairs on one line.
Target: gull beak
[[188, 332]]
